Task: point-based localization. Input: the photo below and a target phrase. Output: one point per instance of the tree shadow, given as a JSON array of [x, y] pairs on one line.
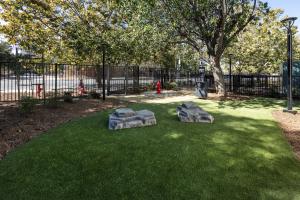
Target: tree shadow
[[233, 158], [254, 103], [248, 157]]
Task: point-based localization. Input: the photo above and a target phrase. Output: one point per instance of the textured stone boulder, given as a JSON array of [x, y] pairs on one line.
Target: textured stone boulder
[[190, 112], [127, 118]]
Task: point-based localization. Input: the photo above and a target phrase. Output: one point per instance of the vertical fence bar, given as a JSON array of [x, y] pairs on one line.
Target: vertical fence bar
[[161, 78], [103, 74], [126, 79], [108, 80], [43, 71], [1, 66], [55, 82], [17, 82]]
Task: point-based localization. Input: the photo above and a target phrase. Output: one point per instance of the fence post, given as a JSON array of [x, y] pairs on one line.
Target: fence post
[[18, 66], [18, 72], [43, 71], [108, 79], [126, 78], [162, 77], [1, 66], [103, 74], [55, 84], [136, 79]]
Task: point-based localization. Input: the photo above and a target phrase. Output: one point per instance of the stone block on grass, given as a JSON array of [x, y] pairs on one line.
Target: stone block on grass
[[190, 112], [127, 118]]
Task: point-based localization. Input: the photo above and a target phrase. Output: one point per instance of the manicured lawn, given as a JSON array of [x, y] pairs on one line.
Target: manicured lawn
[[243, 155]]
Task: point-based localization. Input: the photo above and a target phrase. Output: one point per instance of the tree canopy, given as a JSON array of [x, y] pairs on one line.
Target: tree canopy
[[156, 31], [261, 48]]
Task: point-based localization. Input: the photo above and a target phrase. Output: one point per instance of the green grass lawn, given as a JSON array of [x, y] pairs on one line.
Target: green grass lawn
[[243, 155]]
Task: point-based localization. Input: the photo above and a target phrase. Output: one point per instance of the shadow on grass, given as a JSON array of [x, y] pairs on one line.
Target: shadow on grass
[[253, 103], [234, 158]]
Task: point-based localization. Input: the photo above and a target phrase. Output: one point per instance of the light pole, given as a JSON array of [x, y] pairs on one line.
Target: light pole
[[288, 23], [230, 72]]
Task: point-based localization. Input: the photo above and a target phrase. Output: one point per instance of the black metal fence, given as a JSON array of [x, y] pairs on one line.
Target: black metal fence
[[261, 85], [44, 80]]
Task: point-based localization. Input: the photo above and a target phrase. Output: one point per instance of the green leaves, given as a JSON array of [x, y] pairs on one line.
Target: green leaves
[[262, 47]]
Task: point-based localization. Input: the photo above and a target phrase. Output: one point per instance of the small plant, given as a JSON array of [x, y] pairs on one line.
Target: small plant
[[68, 97], [149, 86], [94, 95], [52, 103], [27, 104], [173, 85], [167, 85]]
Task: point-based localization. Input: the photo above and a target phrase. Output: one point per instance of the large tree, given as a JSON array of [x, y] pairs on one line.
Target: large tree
[[81, 29], [262, 45], [209, 24], [5, 51], [54, 25]]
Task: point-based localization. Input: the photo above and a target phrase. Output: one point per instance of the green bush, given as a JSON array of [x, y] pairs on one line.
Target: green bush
[[27, 104], [68, 97], [171, 85], [94, 95], [150, 86], [51, 102]]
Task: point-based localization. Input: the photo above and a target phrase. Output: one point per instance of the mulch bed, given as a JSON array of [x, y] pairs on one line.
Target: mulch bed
[[290, 123], [17, 129]]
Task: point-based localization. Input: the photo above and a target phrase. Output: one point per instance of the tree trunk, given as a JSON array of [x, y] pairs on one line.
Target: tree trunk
[[218, 76]]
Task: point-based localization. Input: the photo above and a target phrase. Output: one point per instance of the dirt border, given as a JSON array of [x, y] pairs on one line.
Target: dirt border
[[17, 129], [290, 125]]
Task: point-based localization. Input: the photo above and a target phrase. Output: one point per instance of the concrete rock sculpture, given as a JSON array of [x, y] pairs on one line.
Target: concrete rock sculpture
[[127, 118], [190, 112]]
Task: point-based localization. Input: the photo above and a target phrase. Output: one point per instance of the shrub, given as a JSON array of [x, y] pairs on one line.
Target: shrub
[[52, 103], [68, 97], [173, 85], [27, 104], [94, 95], [150, 86]]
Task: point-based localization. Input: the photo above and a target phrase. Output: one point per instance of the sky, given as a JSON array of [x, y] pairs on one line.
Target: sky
[[291, 8]]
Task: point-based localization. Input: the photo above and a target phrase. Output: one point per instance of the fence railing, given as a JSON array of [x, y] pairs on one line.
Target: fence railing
[[261, 85], [41, 80], [44, 80]]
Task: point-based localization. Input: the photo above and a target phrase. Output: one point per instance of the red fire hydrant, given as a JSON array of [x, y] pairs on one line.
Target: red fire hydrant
[[158, 87], [39, 89]]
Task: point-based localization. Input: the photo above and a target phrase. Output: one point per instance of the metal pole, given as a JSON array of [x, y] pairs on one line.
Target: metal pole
[[230, 75], [103, 74], [55, 87], [126, 78], [43, 71], [288, 23], [290, 69], [162, 77], [18, 66], [108, 79]]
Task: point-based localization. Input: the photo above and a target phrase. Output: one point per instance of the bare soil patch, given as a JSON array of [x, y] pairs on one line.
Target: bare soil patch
[[290, 123], [17, 129]]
